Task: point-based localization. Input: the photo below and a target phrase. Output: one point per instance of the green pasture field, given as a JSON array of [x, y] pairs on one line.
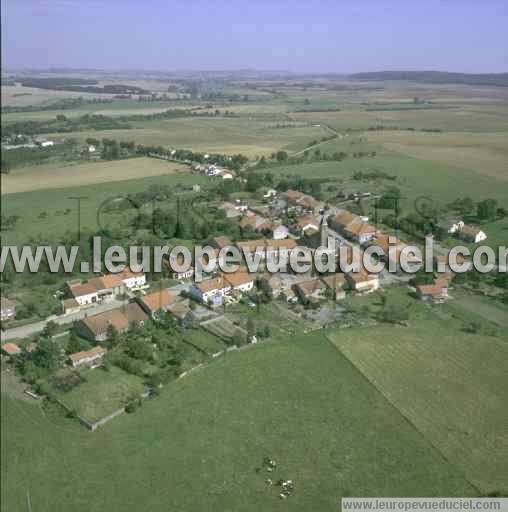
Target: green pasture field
[[103, 392], [200, 445], [30, 205], [451, 387]]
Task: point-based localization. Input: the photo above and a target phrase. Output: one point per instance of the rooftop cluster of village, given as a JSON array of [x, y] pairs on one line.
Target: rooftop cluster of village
[[116, 302]]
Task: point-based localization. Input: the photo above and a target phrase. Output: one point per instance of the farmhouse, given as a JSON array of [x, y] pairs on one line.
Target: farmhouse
[[131, 279], [253, 222], [95, 327], [181, 311], [89, 358], [362, 281], [11, 349], [8, 309], [360, 232], [280, 248], [279, 231], [305, 223], [211, 291], [70, 306], [312, 290], [156, 301], [472, 234], [335, 283], [240, 280], [342, 219], [83, 293], [435, 292], [271, 284]]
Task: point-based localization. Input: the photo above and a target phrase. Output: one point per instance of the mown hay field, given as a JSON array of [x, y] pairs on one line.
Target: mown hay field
[[54, 176]]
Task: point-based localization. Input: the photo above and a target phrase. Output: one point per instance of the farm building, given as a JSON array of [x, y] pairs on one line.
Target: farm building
[[434, 292], [88, 358], [95, 327], [211, 291], [472, 234], [312, 290], [156, 301], [362, 281]]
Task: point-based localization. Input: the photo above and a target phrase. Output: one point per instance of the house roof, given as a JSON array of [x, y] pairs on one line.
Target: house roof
[[111, 281], [238, 278], [311, 286], [78, 290], [11, 349], [70, 303], [134, 313], [357, 227], [179, 310], [287, 243], [98, 324], [252, 244], [361, 277], [434, 289], [216, 283], [344, 217], [470, 230], [293, 195], [97, 351], [307, 220], [332, 280], [128, 272], [158, 300]]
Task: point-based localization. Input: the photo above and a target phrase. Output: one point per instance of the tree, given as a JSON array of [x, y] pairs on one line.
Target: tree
[[74, 344], [281, 156], [112, 334], [61, 117], [50, 329], [486, 210]]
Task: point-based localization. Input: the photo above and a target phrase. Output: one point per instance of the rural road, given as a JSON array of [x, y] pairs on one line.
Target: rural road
[[27, 330]]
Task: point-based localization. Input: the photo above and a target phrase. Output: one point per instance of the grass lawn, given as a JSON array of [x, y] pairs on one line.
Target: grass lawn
[[103, 392], [451, 387], [198, 445], [204, 340]]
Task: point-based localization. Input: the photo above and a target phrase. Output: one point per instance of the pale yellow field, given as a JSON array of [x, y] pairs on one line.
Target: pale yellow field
[[33, 96], [485, 153], [61, 176]]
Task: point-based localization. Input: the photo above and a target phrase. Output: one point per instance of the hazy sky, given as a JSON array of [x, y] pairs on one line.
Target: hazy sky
[[333, 36]]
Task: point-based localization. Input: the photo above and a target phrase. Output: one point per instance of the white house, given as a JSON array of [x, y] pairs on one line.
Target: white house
[[271, 192], [83, 293], [280, 232], [212, 290], [240, 281], [91, 148], [132, 279], [452, 226]]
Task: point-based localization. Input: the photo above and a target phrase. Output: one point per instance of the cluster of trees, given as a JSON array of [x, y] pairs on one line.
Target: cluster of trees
[[63, 104], [20, 157], [485, 210], [64, 125], [373, 175]]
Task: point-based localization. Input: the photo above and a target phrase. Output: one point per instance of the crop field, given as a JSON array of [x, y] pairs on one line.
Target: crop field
[[486, 153], [18, 96], [451, 388], [51, 176], [102, 393], [198, 445]]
